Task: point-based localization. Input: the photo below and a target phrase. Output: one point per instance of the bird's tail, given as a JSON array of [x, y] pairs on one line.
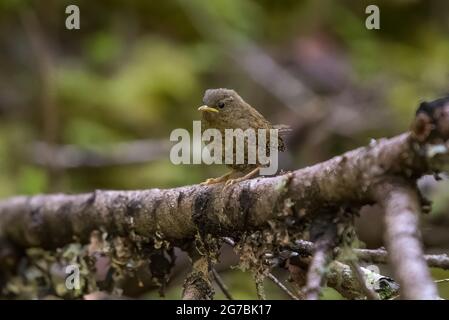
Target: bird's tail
[[283, 129]]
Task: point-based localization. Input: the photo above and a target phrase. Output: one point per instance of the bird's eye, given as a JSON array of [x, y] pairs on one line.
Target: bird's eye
[[220, 104]]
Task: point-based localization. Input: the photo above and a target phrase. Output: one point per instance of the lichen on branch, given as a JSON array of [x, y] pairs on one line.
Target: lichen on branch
[[175, 217]]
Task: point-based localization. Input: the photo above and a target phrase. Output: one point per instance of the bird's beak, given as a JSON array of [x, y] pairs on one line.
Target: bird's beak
[[207, 109]]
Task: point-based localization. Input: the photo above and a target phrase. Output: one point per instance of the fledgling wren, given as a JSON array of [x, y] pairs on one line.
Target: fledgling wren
[[225, 109]]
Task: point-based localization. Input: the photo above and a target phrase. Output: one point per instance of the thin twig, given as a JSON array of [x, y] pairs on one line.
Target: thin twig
[[231, 242], [72, 156], [377, 256], [221, 284], [197, 285], [282, 286], [323, 232], [381, 256], [315, 275], [441, 280]]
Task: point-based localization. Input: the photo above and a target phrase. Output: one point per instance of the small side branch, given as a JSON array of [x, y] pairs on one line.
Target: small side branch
[[322, 256], [221, 284], [381, 256], [315, 276], [343, 279], [270, 276], [437, 261], [71, 156], [377, 256], [197, 285], [277, 282], [402, 238]]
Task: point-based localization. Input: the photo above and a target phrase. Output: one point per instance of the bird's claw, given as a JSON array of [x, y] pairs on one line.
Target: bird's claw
[[209, 181], [213, 181], [231, 182]]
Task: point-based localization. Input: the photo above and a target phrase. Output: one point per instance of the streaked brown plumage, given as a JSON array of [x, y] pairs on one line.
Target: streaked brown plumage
[[225, 109]]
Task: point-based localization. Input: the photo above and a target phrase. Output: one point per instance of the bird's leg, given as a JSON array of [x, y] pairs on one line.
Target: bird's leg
[[249, 175], [223, 178]]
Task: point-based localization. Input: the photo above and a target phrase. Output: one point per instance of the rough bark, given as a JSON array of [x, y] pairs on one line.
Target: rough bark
[[50, 221], [403, 239], [197, 285], [359, 177]]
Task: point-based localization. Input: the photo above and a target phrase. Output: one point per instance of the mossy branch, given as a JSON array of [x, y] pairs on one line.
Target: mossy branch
[[177, 215]]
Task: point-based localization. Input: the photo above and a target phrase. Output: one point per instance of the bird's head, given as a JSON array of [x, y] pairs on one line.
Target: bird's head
[[222, 106]]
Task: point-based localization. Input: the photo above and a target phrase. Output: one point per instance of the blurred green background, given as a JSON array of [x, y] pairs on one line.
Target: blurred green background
[[93, 108]]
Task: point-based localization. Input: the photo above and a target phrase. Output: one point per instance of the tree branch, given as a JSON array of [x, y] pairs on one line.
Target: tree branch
[[358, 272], [198, 285], [385, 171], [381, 256], [402, 208], [324, 233], [71, 156], [277, 282], [50, 221], [343, 279], [377, 256]]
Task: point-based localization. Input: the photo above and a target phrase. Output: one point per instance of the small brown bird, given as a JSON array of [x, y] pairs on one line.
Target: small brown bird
[[225, 109]]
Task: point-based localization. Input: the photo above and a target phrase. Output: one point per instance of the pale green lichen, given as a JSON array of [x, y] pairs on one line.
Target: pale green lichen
[[103, 264]]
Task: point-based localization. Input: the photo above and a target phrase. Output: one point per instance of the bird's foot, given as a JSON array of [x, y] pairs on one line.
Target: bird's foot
[[217, 180], [230, 182], [250, 175], [212, 181]]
